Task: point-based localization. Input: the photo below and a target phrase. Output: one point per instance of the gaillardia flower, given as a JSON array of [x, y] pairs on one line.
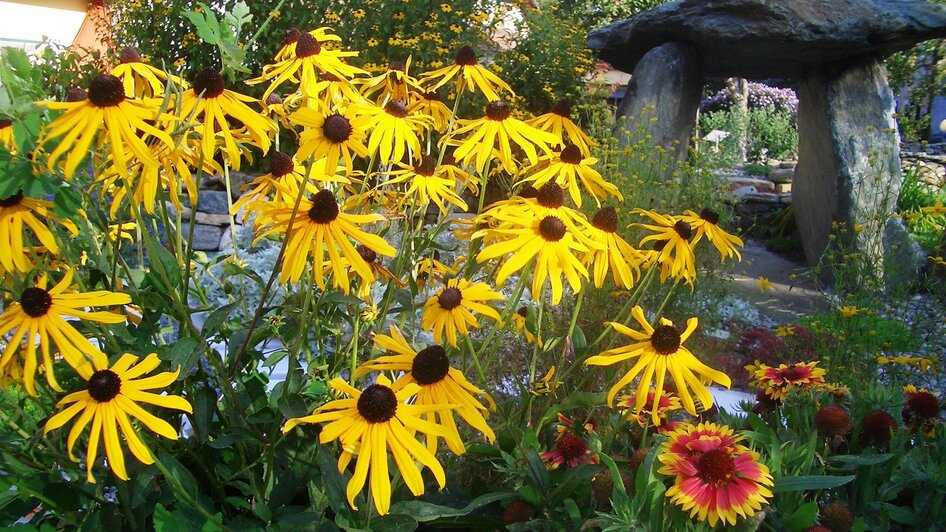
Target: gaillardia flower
[[372, 423], [451, 309], [659, 350], [37, 319], [715, 478], [106, 109], [472, 76], [113, 394], [778, 382], [321, 228], [440, 384], [569, 449]]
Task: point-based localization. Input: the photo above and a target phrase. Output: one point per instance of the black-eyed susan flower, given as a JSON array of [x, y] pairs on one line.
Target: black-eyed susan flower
[[430, 269], [140, 79], [615, 254], [112, 395], [707, 224], [547, 385], [450, 310], [558, 121], [220, 111], [394, 132], [923, 364], [520, 318], [470, 75], [716, 479], [499, 131], [372, 424], [329, 136], [677, 250], [291, 40], [568, 169], [658, 351], [304, 64], [321, 228], [17, 213], [427, 183], [393, 83], [440, 384], [6, 135], [106, 109], [543, 230], [37, 319], [282, 182], [429, 103], [778, 382], [335, 92]]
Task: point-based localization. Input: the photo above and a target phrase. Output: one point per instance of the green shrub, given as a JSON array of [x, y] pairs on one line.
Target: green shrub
[[772, 134]]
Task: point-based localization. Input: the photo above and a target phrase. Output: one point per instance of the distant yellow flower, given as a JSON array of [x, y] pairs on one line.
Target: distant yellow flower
[[936, 210], [6, 135], [924, 364], [787, 330], [451, 309], [122, 231], [558, 121], [309, 60], [849, 311], [111, 396], [547, 384], [707, 223], [359, 14], [764, 284], [471, 75], [140, 79]]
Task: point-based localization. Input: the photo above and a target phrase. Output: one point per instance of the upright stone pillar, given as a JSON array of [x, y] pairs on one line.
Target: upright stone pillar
[[662, 99], [848, 156]]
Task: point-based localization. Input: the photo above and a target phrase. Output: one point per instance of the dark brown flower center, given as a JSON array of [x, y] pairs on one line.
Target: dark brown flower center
[[35, 301], [273, 99], [528, 191], [832, 421], [5, 123], [876, 427], [76, 94], [396, 108], [551, 196], [432, 96], [606, 219], [498, 110], [450, 298], [465, 56], [570, 155], [715, 467], [104, 385], [659, 245], [523, 311], [710, 216], [427, 167], [430, 365], [377, 403], [571, 447], [397, 66], [280, 164], [367, 254], [336, 128], [552, 228], [106, 91], [328, 76], [307, 46], [665, 340], [292, 35], [683, 229], [129, 55], [324, 207], [562, 108], [209, 82], [12, 201]]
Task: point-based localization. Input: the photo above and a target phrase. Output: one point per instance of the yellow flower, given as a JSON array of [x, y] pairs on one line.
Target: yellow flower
[[440, 384], [778, 382], [617, 255], [372, 42], [924, 364], [546, 385], [6, 136], [764, 284], [785, 331], [472, 75], [329, 136], [122, 231], [106, 109], [936, 210], [677, 250], [394, 132], [37, 319], [558, 122], [568, 170], [140, 79], [359, 14], [428, 183], [849, 311], [446, 8], [112, 395], [219, 109], [17, 213], [373, 423], [660, 350], [321, 228], [451, 309], [706, 223], [495, 131], [429, 103]]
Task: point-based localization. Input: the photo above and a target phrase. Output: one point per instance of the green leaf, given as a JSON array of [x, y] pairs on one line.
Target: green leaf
[[618, 493], [181, 475], [804, 517], [204, 401], [217, 318], [901, 515], [180, 520], [184, 353], [170, 268], [67, 203], [425, 511], [579, 342], [852, 461], [810, 482]]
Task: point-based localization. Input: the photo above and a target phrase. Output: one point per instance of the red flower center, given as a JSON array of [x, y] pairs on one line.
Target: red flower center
[[292, 35], [794, 373], [715, 467], [710, 216], [571, 447], [922, 404], [367, 254]]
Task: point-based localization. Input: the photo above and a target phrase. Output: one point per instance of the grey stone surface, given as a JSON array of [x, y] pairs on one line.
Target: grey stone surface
[[237, 181], [772, 38], [206, 237], [848, 155], [662, 99], [212, 202], [781, 175], [904, 259]]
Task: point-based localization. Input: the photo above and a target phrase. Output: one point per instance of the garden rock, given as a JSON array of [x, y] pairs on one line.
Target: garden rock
[[761, 39], [206, 237], [213, 202], [904, 259], [833, 49], [781, 175]]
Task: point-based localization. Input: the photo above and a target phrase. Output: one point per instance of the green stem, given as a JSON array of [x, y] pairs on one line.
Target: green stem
[[186, 496], [476, 361], [535, 353], [354, 347], [233, 234]]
